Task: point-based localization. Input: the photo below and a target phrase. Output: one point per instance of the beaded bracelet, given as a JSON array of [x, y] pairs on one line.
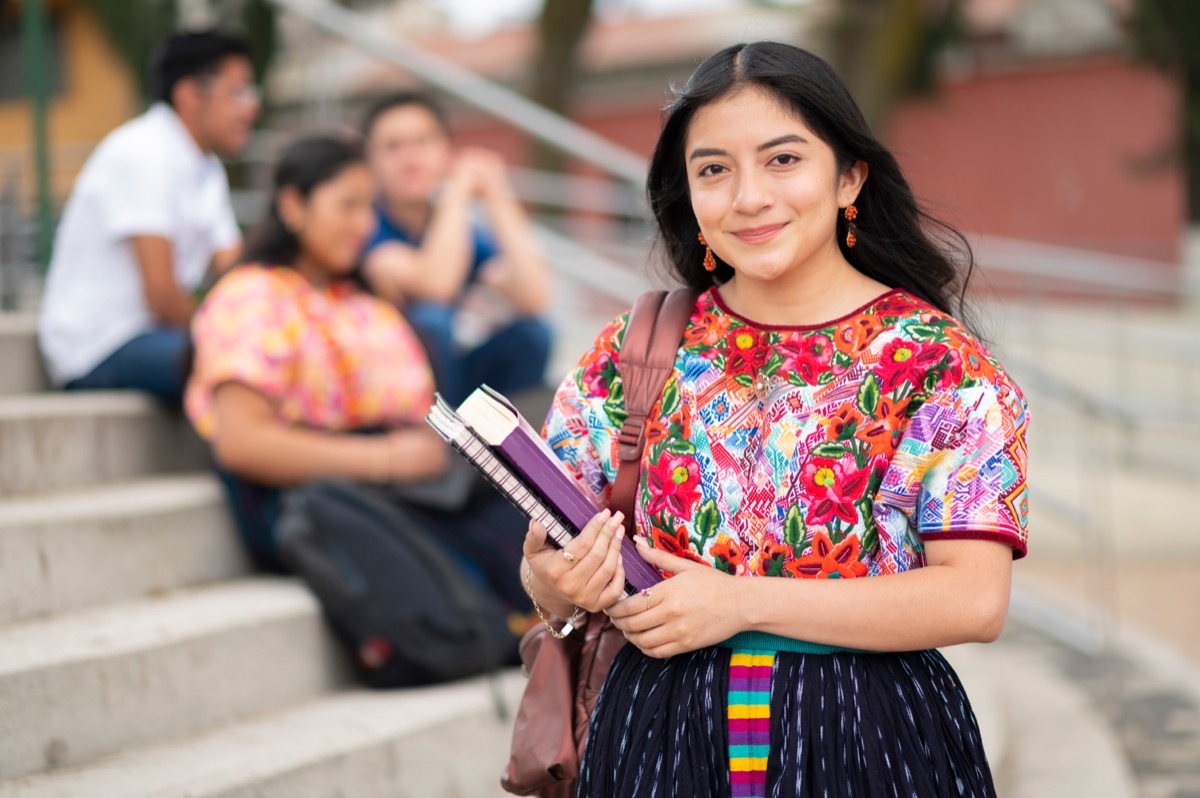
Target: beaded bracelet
[[568, 627]]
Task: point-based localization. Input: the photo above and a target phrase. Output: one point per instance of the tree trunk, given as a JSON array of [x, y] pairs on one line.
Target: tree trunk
[[887, 49], [561, 28]]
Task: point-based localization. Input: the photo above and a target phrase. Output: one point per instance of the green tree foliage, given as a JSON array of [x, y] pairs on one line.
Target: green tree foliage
[[889, 49], [1167, 35], [135, 27]]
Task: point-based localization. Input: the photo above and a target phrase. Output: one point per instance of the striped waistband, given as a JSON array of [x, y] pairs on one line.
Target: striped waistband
[[764, 641]]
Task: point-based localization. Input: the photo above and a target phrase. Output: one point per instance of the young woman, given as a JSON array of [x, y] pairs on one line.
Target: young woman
[[300, 374], [828, 425]]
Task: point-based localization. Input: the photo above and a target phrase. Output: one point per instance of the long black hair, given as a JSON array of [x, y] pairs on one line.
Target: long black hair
[[898, 244], [306, 164]]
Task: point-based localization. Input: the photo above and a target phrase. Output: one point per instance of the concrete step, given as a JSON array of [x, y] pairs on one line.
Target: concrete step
[[79, 548], [1165, 444], [436, 741], [1137, 511], [22, 370], [62, 440], [1058, 743], [1149, 389], [95, 682]]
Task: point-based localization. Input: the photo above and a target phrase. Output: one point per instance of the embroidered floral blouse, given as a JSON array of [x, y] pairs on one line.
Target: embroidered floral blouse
[[815, 452], [332, 358]]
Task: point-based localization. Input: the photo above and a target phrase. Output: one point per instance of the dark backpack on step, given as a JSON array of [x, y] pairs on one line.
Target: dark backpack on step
[[406, 609]]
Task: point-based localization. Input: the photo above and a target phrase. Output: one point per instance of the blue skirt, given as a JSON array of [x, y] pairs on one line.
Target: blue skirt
[[841, 725]]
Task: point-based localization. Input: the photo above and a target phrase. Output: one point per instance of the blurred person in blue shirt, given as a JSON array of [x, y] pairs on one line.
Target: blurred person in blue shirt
[[474, 294]]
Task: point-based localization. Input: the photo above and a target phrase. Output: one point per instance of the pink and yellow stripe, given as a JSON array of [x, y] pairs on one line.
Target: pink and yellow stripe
[[749, 721]]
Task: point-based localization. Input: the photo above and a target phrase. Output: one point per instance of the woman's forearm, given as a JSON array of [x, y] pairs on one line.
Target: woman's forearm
[[937, 605], [276, 454], [525, 276], [437, 269]]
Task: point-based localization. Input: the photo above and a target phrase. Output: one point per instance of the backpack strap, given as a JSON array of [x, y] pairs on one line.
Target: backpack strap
[[647, 357]]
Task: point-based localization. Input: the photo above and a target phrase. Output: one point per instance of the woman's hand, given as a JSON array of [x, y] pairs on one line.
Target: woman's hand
[[696, 607], [588, 573]]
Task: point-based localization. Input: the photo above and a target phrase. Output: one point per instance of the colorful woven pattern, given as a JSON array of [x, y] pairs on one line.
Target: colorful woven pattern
[[749, 721], [827, 452]]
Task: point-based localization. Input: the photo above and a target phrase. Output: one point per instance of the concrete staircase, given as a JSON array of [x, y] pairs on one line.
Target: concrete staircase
[[1132, 468], [139, 656]]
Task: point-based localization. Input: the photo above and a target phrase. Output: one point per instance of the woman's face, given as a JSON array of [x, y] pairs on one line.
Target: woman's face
[[336, 220], [766, 191]]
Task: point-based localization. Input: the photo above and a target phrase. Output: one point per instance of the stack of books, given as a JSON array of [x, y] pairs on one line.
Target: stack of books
[[493, 436]]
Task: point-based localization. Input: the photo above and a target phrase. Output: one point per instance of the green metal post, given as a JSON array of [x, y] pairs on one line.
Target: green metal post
[[33, 46]]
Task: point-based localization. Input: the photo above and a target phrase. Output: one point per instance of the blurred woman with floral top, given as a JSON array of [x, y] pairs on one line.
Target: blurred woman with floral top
[[300, 373], [829, 424]]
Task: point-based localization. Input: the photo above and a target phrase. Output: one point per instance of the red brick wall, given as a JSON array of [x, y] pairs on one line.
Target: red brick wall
[[1051, 154]]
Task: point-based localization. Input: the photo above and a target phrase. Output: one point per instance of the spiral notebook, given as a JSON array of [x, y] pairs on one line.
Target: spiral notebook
[[493, 436]]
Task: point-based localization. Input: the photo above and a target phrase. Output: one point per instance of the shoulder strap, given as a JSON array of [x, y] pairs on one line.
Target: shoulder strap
[[647, 356]]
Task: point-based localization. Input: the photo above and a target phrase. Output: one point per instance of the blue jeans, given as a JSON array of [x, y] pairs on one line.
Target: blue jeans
[[151, 362], [511, 361]]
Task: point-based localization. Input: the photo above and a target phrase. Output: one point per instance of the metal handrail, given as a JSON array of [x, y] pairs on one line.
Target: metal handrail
[[1104, 273], [501, 102]]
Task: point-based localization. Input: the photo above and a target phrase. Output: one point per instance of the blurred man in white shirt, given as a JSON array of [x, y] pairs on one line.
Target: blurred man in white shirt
[[148, 217]]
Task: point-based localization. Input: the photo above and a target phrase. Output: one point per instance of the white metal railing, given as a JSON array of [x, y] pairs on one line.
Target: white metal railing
[[519, 111], [1093, 273]]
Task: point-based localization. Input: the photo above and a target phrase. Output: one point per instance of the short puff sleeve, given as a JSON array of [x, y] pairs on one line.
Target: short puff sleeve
[[960, 469], [241, 333], [588, 410]]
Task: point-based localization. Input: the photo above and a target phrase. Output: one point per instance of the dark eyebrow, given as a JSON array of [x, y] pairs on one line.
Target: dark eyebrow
[[791, 138], [705, 153]]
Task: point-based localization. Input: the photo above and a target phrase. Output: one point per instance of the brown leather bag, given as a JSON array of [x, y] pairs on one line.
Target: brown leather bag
[[565, 675]]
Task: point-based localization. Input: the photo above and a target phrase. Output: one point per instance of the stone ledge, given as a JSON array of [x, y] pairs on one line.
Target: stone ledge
[[94, 682], [151, 535], [437, 741]]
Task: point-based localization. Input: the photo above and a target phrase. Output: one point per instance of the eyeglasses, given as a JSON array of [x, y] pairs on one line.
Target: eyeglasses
[[244, 93]]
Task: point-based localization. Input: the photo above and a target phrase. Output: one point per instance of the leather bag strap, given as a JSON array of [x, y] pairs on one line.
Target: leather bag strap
[[645, 362]]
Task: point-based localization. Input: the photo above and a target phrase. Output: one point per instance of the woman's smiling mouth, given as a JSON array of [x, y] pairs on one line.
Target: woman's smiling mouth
[[757, 235]]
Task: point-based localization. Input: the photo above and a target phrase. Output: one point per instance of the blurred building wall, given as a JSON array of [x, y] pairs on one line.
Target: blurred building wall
[[1056, 152], [98, 93]]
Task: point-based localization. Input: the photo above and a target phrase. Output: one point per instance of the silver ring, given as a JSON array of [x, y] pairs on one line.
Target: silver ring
[[646, 593], [570, 557]]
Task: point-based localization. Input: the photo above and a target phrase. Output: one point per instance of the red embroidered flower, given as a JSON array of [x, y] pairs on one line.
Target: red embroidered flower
[[708, 329], [831, 489], [674, 483], [897, 304], [748, 352], [842, 419], [907, 361], [853, 335], [729, 555], [597, 375], [880, 432], [659, 429], [827, 561], [676, 544], [952, 373], [772, 557], [809, 355]]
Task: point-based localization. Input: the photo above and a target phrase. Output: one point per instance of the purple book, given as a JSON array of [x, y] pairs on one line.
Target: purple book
[[529, 458]]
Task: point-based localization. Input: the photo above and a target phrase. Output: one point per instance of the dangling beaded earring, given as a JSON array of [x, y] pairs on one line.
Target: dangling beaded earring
[[710, 263], [851, 214]]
